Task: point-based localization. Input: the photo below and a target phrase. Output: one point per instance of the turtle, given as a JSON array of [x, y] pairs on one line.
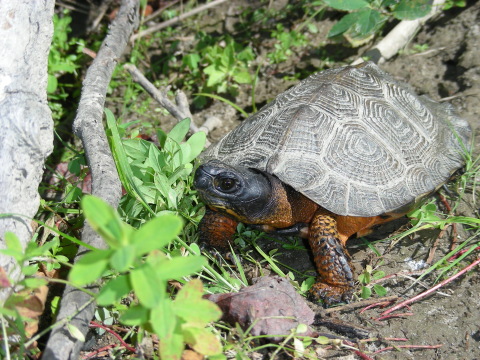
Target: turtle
[[340, 153]]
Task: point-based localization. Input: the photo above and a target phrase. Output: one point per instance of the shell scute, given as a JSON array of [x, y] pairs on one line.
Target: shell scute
[[352, 139]]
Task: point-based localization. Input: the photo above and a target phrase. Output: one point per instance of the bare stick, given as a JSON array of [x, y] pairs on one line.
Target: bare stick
[[428, 292], [176, 19], [101, 13], [161, 98], [106, 184], [410, 347], [159, 11], [359, 304], [211, 123], [398, 37]]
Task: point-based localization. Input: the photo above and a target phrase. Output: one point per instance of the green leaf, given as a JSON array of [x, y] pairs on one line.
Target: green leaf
[[228, 56], [149, 289], [412, 9], [217, 357], [8, 312], [104, 220], [191, 60], [121, 161], [29, 270], [17, 255], [197, 144], [379, 290], [52, 84], [62, 67], [366, 292], [242, 77], [75, 332], [90, 267], [74, 193], [162, 137], [190, 306], [185, 151], [123, 258], [135, 316], [33, 283], [171, 347], [162, 318], [74, 166], [202, 341], [346, 4], [113, 290], [181, 266], [156, 233], [378, 275], [215, 76], [367, 19], [12, 242], [157, 159], [312, 28], [180, 130], [343, 25]]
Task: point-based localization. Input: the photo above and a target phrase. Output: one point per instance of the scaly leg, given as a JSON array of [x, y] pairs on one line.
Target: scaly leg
[[216, 231], [335, 283]]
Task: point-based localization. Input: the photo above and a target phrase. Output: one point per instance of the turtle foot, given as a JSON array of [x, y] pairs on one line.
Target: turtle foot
[[330, 294]]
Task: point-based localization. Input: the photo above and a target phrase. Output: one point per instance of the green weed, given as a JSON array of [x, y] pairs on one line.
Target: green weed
[[365, 18], [61, 60], [285, 41]]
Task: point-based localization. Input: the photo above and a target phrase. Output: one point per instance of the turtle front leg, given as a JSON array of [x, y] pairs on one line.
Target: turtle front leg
[[335, 283], [216, 231]]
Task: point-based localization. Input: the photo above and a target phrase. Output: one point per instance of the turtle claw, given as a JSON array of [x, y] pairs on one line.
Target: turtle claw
[[330, 294]]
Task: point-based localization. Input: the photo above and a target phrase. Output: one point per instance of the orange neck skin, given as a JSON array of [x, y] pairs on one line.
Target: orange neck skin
[[288, 207]]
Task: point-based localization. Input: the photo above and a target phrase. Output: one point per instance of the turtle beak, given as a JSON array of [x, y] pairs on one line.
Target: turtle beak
[[202, 179]]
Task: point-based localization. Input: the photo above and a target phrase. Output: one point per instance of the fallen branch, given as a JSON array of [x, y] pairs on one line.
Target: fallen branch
[[410, 347], [159, 11], [179, 111], [381, 304], [433, 289], [397, 38], [179, 18], [106, 184], [393, 316], [357, 305]]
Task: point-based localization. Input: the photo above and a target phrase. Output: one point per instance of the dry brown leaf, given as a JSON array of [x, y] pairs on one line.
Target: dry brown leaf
[[52, 274], [31, 307], [4, 281], [191, 355]]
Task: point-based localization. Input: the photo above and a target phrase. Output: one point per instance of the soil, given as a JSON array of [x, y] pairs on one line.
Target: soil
[[450, 67]]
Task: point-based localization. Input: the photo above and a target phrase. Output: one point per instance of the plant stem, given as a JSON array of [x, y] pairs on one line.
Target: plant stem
[[5, 337], [75, 286], [57, 324], [425, 293]]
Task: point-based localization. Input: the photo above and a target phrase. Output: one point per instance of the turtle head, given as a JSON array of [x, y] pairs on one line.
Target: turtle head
[[236, 191]]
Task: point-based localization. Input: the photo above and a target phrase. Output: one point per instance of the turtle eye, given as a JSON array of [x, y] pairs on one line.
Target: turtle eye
[[227, 184]]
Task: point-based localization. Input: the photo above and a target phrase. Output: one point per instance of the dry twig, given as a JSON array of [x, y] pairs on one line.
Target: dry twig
[[433, 289], [176, 19], [179, 112], [106, 184]]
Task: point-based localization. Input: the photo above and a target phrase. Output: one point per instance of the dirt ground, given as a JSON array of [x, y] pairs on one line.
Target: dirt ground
[[449, 67]]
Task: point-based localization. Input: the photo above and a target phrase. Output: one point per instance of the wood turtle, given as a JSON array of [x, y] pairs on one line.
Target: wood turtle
[[342, 151]]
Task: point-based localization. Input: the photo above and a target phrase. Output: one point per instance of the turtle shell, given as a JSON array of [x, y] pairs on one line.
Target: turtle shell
[[352, 139]]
